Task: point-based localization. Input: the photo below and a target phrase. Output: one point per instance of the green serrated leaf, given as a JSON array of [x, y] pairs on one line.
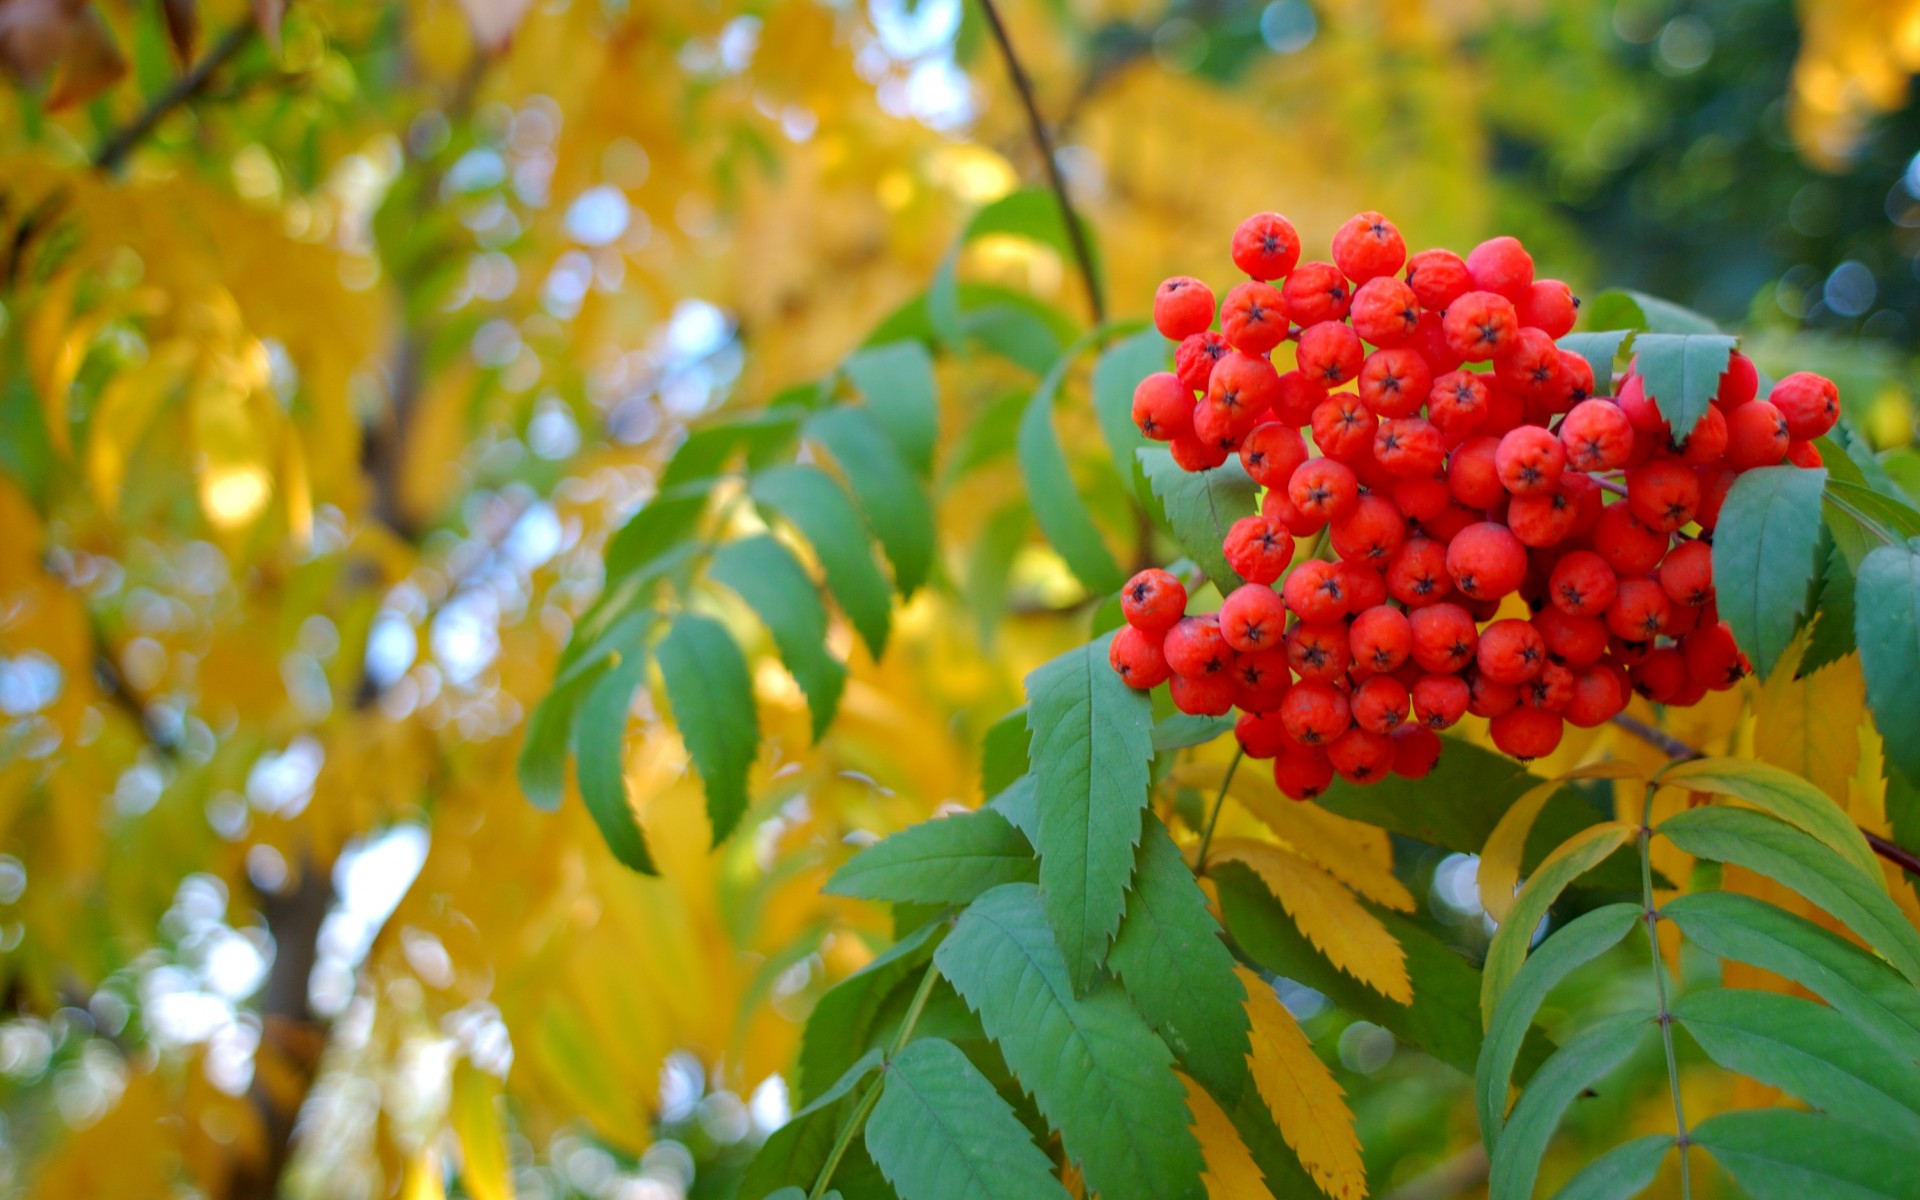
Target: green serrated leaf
[[1780, 852], [711, 693], [1783, 794], [1574, 858], [1170, 958], [1807, 1050], [1887, 626], [1003, 752], [840, 1027], [1019, 805], [898, 509], [542, 766], [815, 504], [1681, 372], [1092, 742], [1832, 638], [948, 860], [1119, 370], [1862, 518], [1057, 505], [1182, 730], [708, 449], [990, 568], [1200, 507], [941, 1132], [765, 574], [798, 1149], [991, 436], [1624, 308], [1763, 557], [670, 517], [897, 381], [1097, 1071], [1626, 1170], [599, 747], [1581, 941], [1572, 1069], [1599, 349], [1782, 1154]]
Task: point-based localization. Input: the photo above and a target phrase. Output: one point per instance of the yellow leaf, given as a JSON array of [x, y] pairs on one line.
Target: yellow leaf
[[1231, 1172], [1306, 1102], [475, 1113], [1357, 854], [1809, 725], [127, 407], [1506, 846], [422, 1179], [1330, 916]]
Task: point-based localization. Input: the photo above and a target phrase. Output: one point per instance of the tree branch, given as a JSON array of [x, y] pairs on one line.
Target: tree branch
[[1043, 142], [113, 152]]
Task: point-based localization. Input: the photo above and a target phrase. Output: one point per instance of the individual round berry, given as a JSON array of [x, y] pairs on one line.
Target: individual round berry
[[1417, 573], [1805, 455], [1713, 659], [1626, 543], [1330, 353], [1315, 712], [1486, 561], [1530, 363], [1511, 651], [1243, 389], [1438, 278], [1261, 680], [1683, 619], [1194, 453], [1253, 618], [1380, 704], [1182, 307], [1439, 701], [1708, 441], [1716, 480], [1739, 383], [1381, 638], [1319, 650], [1367, 246], [1395, 382], [1445, 638], [1324, 489], [1757, 436], [1258, 548], [1663, 494], [1363, 585], [1410, 448], [1660, 676], [1203, 695], [1430, 339], [1416, 750], [1479, 324], [1370, 532], [1809, 402], [1686, 574], [1549, 306], [1342, 426], [1138, 659], [1385, 312], [1163, 407], [1219, 425], [1277, 505], [1530, 461], [1153, 601], [1639, 610], [1544, 519], [1297, 398], [1597, 435], [1315, 592], [1261, 735], [1473, 473], [1641, 410], [1502, 265], [1577, 641], [1272, 452], [1596, 697], [1361, 755], [1254, 318], [1486, 698], [1421, 499], [1195, 646], [1527, 733], [1506, 410], [1550, 690], [1316, 292], [1194, 358], [1302, 772], [1266, 246]]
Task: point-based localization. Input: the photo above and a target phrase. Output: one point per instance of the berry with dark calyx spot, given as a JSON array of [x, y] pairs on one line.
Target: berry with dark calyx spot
[[1318, 650], [1361, 755], [1663, 493], [1686, 574], [1330, 352], [1596, 697], [1302, 772], [1597, 435], [1416, 750], [1315, 593], [1417, 573], [1639, 610], [1445, 637], [1511, 651], [1242, 391], [1757, 436], [1194, 453], [1370, 532], [1410, 448], [1438, 278], [1261, 735], [1138, 659], [1316, 292], [1486, 561], [1272, 452], [1195, 646], [1266, 246], [1530, 460], [1153, 601], [1549, 306], [1713, 660], [1315, 712], [1384, 311], [1194, 358], [1254, 318], [1381, 638], [1253, 618], [1479, 325], [1258, 548], [1380, 704], [1626, 543], [1163, 407], [1439, 701], [1395, 382], [1182, 307], [1324, 489], [1810, 403], [1367, 246]]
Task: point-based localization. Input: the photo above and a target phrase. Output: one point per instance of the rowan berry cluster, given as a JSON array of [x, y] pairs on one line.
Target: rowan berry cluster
[[1478, 531]]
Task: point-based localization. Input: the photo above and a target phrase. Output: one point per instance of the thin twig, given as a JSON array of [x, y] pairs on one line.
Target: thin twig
[[1894, 853], [1043, 142], [1219, 802], [872, 1097], [114, 150]]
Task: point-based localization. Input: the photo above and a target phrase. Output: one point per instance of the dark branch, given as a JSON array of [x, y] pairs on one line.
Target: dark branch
[[113, 152], [1043, 142]]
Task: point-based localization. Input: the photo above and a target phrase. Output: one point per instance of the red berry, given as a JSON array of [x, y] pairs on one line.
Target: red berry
[[1203, 695], [1659, 676], [1242, 389], [1421, 499], [1367, 246], [1439, 701], [1318, 650], [1708, 441], [1479, 324], [1473, 473], [1361, 755], [1596, 697], [1297, 398], [1527, 733], [1438, 278], [1639, 610], [1330, 353], [1261, 680], [1597, 435], [1253, 618], [1502, 265], [1487, 698], [1582, 584], [1364, 586], [1444, 637], [1486, 561], [1410, 448], [1381, 638], [1193, 360], [1395, 382], [1430, 339], [1511, 651], [1193, 453], [1757, 436], [1805, 455], [1739, 383], [1551, 690], [1195, 647], [1380, 704], [1530, 461], [1416, 750], [1258, 548], [1277, 505], [1254, 318], [1316, 292], [1544, 519], [1266, 246], [1182, 307], [1324, 489], [1272, 452], [1137, 657], [1663, 494], [1529, 363], [1153, 601], [1641, 411], [1163, 407], [1549, 305], [1716, 480], [1370, 532], [1686, 574], [1385, 312], [1261, 735], [1315, 712], [1713, 659], [1417, 573], [1342, 426], [1809, 402], [1628, 545], [1302, 772], [1576, 641], [1315, 592]]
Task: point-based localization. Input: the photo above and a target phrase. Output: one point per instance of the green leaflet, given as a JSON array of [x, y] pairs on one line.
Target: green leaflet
[[817, 506], [798, 1149], [1182, 730], [599, 747], [1098, 1072], [1624, 308], [1057, 505], [1626, 1170], [1783, 794], [1572, 1069], [542, 766], [1599, 349], [1887, 626], [1808, 1050], [948, 860], [842, 1022], [1170, 958], [765, 574], [897, 381], [1775, 849], [1201, 506], [1763, 557], [1681, 372], [941, 1132], [1034, 214], [1003, 752], [1862, 518], [1833, 636], [708, 449], [1018, 804], [1863, 988], [1578, 943], [1580, 854], [990, 568], [712, 697], [1119, 370], [1254, 1122], [1781, 1154], [1092, 740], [897, 507], [659, 523]]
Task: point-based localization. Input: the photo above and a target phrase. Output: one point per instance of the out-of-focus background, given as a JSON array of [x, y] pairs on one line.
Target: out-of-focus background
[[337, 336]]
